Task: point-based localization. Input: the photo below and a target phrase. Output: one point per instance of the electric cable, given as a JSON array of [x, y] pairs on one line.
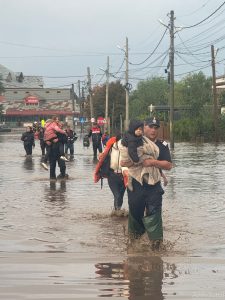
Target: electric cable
[[215, 11], [137, 64]]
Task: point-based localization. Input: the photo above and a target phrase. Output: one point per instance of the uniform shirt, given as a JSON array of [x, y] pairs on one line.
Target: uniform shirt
[[164, 152], [96, 134]]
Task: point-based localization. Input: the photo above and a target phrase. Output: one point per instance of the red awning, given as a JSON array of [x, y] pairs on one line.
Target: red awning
[[37, 112], [31, 100]]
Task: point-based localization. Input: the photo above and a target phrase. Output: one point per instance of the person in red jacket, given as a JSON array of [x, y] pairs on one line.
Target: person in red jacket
[[96, 135]]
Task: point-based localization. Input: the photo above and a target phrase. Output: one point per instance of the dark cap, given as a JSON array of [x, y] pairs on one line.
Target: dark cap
[[152, 122]]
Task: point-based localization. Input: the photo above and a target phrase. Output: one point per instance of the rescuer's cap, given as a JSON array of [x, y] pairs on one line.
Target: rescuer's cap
[[152, 122]]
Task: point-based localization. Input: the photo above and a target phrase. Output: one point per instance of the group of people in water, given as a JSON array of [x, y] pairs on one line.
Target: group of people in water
[[55, 143], [133, 161]]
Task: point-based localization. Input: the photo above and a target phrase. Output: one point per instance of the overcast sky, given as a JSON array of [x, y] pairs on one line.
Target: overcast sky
[[61, 38]]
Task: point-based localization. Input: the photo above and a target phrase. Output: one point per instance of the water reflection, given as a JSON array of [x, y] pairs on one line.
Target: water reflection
[[28, 163], [56, 191], [137, 278]]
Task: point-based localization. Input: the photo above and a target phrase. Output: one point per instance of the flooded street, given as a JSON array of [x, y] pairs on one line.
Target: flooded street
[[58, 240]]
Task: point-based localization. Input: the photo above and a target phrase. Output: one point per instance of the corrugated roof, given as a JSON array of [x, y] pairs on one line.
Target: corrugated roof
[[27, 82]]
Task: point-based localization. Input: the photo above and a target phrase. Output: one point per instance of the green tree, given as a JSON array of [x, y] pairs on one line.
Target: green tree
[[116, 102], [195, 93], [1, 85], [153, 91]]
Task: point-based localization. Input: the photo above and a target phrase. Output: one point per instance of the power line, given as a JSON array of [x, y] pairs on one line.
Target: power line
[[136, 64], [191, 26], [192, 13], [192, 71]]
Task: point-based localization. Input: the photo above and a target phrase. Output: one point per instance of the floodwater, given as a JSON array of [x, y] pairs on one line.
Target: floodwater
[[59, 240]]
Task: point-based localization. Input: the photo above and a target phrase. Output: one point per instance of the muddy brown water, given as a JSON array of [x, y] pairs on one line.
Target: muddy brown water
[[58, 240]]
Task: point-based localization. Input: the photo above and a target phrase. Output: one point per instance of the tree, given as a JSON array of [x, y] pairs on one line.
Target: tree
[[195, 93], [153, 91], [1, 86], [116, 102]]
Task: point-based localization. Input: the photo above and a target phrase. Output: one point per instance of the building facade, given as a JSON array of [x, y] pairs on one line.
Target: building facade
[[25, 99]]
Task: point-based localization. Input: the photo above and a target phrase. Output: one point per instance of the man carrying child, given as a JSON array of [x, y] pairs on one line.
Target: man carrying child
[[53, 134]]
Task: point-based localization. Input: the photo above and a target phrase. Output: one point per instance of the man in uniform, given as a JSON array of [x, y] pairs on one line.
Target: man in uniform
[[145, 201], [96, 135]]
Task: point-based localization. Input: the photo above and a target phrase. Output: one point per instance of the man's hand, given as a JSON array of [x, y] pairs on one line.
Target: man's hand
[[149, 162], [127, 164]]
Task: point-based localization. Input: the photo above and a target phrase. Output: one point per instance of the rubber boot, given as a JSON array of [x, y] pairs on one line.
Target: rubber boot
[[134, 228], [153, 226]]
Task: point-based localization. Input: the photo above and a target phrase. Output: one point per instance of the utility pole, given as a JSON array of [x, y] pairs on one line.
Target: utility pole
[[73, 103], [215, 104], [171, 78], [90, 92], [127, 87], [81, 107], [107, 98]]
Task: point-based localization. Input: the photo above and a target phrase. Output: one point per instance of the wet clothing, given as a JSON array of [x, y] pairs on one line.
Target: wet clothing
[[96, 135], [116, 185], [28, 141], [147, 199], [54, 156], [71, 138], [47, 151]]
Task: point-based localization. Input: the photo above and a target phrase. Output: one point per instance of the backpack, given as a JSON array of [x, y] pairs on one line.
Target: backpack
[[86, 142], [105, 169]]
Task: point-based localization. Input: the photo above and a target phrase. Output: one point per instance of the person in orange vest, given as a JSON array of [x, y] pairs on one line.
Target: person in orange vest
[[96, 135]]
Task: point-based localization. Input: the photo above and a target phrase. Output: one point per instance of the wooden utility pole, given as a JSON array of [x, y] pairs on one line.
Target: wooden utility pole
[[81, 106], [90, 92], [107, 98], [171, 78], [215, 104], [127, 87], [73, 105]]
